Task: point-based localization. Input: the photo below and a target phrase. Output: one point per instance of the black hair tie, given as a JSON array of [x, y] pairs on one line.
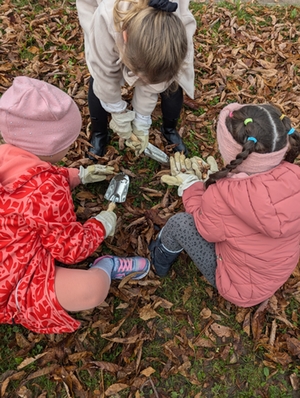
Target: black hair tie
[[163, 5]]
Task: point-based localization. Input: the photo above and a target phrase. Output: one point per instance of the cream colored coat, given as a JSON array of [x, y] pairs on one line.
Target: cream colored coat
[[103, 46]]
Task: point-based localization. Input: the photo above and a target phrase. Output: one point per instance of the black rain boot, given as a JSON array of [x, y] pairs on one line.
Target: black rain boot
[[99, 124], [171, 105], [168, 130], [161, 258], [99, 140]]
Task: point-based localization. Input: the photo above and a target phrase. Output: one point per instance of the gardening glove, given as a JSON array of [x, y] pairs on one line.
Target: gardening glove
[[203, 169], [180, 164], [182, 180], [182, 173], [109, 221], [140, 130], [121, 123], [213, 164], [200, 167], [94, 173]]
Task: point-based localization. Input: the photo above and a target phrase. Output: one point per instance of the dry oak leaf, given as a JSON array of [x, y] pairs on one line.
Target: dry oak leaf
[[22, 342], [148, 371], [161, 302], [43, 371], [13, 376], [259, 319], [85, 195], [147, 313], [126, 340], [115, 388], [294, 378], [220, 330], [247, 323], [109, 366], [203, 342], [154, 217], [30, 360], [279, 357], [78, 356], [293, 346], [187, 294]]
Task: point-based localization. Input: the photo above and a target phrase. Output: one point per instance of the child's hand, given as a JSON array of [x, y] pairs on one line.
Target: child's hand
[[121, 123], [203, 169], [134, 143], [94, 173], [185, 172], [182, 173], [140, 130], [180, 164], [182, 180], [213, 164], [109, 221]]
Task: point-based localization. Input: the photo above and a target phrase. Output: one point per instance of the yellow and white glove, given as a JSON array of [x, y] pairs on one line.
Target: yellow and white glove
[[94, 173], [203, 169], [109, 221], [213, 164], [182, 173], [182, 180], [121, 123], [140, 130]]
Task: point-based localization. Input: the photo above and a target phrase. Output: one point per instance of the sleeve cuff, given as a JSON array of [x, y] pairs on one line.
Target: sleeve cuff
[[74, 178], [114, 108]]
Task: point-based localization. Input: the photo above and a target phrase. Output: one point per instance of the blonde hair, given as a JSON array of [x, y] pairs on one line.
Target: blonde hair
[[156, 41]]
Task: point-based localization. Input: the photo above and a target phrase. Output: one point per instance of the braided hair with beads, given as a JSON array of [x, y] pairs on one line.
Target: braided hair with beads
[[262, 129]]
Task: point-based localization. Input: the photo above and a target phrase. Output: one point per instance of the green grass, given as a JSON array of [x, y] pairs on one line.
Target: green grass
[[245, 378]]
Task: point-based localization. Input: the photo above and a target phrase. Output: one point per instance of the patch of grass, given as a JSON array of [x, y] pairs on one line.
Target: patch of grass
[[192, 144], [294, 13], [26, 54], [35, 6], [197, 9], [90, 380], [8, 359]]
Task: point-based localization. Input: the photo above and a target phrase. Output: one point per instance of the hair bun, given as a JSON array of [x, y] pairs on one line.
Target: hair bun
[[163, 5]]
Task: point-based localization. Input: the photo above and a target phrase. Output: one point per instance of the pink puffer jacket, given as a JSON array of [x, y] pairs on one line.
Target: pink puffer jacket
[[255, 223]]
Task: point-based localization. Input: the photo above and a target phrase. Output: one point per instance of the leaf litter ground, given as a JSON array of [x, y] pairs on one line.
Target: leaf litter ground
[[172, 337]]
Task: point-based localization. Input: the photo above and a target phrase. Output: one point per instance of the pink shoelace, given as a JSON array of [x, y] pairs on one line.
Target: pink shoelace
[[124, 265]]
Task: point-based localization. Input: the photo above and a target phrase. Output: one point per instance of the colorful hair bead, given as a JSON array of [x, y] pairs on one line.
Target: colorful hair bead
[[248, 120]]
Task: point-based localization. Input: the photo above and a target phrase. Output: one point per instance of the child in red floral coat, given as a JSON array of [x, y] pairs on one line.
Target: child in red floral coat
[[38, 123]]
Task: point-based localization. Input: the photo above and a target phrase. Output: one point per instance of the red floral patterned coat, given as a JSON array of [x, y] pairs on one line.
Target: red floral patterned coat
[[38, 226]]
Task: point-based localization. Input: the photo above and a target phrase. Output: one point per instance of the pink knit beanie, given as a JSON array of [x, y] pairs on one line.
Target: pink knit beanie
[[38, 117]]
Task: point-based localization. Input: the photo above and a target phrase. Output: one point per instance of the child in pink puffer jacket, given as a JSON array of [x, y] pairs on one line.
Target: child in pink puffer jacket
[[242, 226]]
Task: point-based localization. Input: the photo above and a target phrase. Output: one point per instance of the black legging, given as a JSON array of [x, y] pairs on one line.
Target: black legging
[[98, 114], [171, 103]]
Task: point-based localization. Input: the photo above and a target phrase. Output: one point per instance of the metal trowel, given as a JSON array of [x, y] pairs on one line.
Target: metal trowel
[[154, 153], [117, 190]]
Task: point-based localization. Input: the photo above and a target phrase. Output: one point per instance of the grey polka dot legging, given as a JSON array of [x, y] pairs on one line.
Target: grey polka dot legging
[[179, 233]]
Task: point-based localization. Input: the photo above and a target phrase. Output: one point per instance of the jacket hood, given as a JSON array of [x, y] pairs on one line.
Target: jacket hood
[[18, 166], [260, 204]]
